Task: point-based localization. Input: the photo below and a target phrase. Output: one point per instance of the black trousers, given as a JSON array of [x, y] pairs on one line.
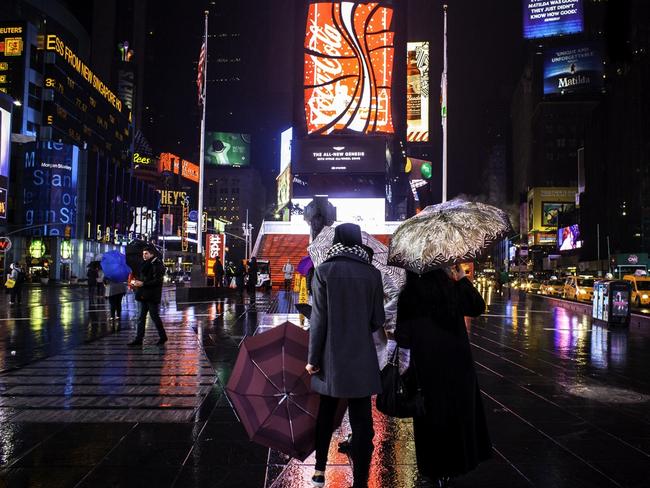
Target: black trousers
[[115, 302], [360, 411], [152, 309], [16, 294]]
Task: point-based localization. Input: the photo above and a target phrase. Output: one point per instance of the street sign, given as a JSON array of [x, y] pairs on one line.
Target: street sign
[[5, 244]]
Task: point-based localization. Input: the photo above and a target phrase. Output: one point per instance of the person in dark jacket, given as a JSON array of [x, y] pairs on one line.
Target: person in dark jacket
[[18, 275], [240, 277], [452, 437], [148, 293], [218, 272], [92, 274], [252, 276], [348, 306]]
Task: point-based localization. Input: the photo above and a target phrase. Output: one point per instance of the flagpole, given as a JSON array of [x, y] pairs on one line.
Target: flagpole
[[199, 230], [443, 111]]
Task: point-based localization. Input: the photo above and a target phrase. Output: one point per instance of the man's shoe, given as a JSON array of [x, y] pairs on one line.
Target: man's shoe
[[134, 343], [318, 479], [161, 341]]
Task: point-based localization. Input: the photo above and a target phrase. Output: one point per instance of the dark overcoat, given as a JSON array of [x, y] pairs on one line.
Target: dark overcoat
[[151, 275], [347, 307], [452, 438]]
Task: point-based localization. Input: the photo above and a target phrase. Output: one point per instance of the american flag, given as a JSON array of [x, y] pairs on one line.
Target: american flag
[[200, 72]]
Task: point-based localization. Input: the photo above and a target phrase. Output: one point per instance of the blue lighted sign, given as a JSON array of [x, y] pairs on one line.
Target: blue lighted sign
[[50, 188], [546, 18]]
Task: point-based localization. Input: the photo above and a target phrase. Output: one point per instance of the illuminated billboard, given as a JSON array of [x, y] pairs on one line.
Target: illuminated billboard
[[544, 204], [285, 148], [417, 92], [568, 238], [545, 18], [215, 247], [551, 210], [284, 187], [12, 60], [50, 187], [170, 163], [348, 68], [5, 146], [227, 149], [573, 69], [338, 156]]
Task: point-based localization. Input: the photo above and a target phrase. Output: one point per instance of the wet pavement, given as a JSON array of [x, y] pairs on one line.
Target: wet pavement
[[567, 402]]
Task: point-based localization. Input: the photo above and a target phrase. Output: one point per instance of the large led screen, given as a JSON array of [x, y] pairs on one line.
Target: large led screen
[[573, 69], [338, 156], [545, 18], [348, 68], [417, 91], [50, 187], [568, 238], [5, 144], [550, 212], [285, 148], [227, 149]]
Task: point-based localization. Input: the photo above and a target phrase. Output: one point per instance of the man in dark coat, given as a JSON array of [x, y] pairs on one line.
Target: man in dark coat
[[348, 306], [252, 275], [218, 273], [148, 293]]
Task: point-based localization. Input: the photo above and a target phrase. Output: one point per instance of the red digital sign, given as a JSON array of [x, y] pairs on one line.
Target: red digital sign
[[348, 68], [215, 246]]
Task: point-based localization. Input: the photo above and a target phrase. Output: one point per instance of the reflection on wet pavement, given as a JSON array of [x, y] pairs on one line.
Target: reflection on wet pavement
[[567, 401]]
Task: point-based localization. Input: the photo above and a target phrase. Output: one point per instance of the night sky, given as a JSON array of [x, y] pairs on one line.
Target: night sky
[[485, 61]]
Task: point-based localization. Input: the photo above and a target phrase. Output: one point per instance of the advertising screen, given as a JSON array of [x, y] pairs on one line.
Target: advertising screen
[[348, 54], [12, 60], [50, 188], [417, 91], [284, 187], [285, 148], [356, 210], [227, 149], [5, 145], [215, 246], [545, 18], [573, 69], [620, 303], [339, 156], [550, 212], [568, 238], [143, 221]]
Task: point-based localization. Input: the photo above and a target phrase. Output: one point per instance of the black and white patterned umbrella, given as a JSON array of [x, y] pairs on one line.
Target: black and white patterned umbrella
[[393, 278], [448, 233]]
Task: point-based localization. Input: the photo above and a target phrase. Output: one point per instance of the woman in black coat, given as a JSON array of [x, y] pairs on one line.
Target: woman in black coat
[[451, 438]]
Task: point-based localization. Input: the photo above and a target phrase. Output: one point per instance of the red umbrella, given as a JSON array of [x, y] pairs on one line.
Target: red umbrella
[[271, 393]]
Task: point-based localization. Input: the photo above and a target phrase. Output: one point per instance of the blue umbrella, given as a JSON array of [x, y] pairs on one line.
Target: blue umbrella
[[115, 267], [305, 265]]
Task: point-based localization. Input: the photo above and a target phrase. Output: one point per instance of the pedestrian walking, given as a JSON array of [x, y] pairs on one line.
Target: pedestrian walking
[[217, 269], [115, 292], [252, 276], [17, 275], [348, 306], [148, 293], [240, 277], [287, 269], [452, 437], [91, 275], [100, 282]]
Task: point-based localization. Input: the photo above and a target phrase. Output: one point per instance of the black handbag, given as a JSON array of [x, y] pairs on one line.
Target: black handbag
[[401, 396]]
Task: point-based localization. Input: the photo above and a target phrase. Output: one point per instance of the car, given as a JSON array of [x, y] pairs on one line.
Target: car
[[580, 288], [533, 286], [552, 288], [640, 288]]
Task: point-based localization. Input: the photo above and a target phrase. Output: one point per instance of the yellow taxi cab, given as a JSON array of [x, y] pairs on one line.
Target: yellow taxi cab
[[640, 288], [579, 288], [552, 287]]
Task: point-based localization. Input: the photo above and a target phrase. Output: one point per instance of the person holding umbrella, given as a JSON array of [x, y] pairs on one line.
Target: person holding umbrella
[[149, 292], [348, 306], [451, 437]]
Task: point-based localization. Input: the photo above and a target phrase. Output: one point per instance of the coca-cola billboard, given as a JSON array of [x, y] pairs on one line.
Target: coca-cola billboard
[[348, 68]]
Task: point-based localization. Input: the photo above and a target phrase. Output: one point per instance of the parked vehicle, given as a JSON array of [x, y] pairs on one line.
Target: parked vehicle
[[552, 288], [579, 288], [640, 288]]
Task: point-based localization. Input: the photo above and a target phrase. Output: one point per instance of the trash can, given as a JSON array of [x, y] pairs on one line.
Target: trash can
[[611, 304]]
